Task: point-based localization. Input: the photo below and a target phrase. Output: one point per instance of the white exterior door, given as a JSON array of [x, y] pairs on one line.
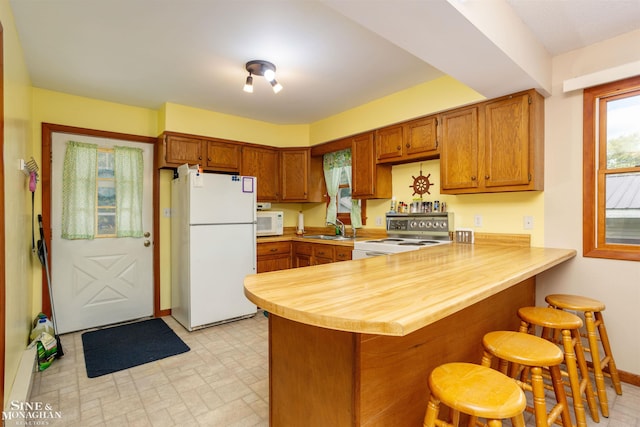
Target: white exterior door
[[105, 280]]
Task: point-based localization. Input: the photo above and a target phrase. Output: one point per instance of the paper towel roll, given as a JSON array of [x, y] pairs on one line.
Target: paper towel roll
[[300, 222]]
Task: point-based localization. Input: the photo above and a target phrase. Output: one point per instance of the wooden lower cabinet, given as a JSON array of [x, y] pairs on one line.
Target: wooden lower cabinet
[[307, 253], [273, 256], [342, 253], [302, 252], [324, 377]]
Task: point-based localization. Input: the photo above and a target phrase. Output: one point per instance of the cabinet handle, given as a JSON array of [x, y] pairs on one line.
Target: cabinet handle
[[486, 177], [408, 145], [199, 157], [208, 159], [274, 250], [399, 147], [473, 178]]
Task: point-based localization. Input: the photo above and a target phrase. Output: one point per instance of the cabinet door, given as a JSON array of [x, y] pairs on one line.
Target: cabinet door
[[222, 156], [459, 149], [421, 137], [322, 254], [343, 253], [294, 175], [302, 254], [181, 150], [389, 143], [369, 180], [273, 256], [262, 163], [506, 142]]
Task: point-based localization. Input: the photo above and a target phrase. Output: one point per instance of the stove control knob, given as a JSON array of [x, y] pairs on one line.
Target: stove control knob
[[421, 224], [428, 224], [443, 224]]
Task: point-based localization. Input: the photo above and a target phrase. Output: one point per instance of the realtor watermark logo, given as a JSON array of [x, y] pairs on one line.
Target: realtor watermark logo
[[30, 413]]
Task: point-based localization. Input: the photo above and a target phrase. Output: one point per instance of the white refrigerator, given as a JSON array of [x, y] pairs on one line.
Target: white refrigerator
[[213, 247]]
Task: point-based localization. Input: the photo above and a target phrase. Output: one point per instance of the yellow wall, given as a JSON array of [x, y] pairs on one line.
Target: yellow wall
[[17, 145], [180, 118]]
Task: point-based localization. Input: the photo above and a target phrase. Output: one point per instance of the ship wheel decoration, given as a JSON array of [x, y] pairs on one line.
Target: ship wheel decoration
[[421, 184]]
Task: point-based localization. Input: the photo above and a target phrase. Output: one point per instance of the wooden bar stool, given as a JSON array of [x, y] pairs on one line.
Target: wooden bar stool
[[516, 350], [594, 324], [474, 390], [568, 325]]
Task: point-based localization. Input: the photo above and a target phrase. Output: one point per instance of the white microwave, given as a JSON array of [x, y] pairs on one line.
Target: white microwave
[[269, 223]]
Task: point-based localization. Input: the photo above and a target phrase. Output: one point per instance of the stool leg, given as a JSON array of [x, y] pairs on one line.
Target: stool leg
[[574, 381], [604, 338], [584, 371], [561, 397], [539, 402], [517, 421], [433, 407], [595, 360]]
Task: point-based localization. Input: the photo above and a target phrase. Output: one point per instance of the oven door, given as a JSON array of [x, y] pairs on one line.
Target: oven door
[[360, 254]]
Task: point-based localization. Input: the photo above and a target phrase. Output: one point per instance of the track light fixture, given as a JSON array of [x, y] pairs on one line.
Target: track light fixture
[[261, 68]]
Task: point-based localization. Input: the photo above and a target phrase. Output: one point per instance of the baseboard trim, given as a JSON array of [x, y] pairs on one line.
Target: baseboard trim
[[629, 378], [21, 389]]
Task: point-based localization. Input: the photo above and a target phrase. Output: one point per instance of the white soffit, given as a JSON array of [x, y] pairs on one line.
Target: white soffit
[[601, 77], [490, 52]]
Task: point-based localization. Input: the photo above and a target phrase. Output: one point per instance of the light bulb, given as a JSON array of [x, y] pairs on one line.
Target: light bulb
[[277, 87], [270, 75], [248, 86]]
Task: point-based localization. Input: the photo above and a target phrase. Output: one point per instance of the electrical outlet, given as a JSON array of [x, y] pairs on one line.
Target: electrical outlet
[[528, 222], [167, 212], [477, 220], [378, 220]]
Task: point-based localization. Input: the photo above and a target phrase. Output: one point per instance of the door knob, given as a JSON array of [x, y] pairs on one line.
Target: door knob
[[147, 243]]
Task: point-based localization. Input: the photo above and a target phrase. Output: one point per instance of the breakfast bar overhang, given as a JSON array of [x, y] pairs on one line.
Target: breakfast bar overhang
[[352, 343]]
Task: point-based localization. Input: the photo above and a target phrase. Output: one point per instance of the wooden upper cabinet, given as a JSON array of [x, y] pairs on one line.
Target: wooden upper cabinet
[[407, 142], [179, 150], [294, 174], [459, 149], [389, 143], [222, 156], [369, 180], [508, 143], [421, 137], [301, 176], [213, 155], [494, 146], [263, 163]]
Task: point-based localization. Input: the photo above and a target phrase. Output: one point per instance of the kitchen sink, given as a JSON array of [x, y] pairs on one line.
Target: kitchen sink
[[326, 237]]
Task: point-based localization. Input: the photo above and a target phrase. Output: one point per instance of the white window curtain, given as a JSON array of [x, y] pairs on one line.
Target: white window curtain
[[333, 165], [356, 212], [128, 172], [79, 191]]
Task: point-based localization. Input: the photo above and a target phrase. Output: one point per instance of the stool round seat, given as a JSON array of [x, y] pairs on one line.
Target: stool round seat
[[524, 356], [521, 348], [549, 318], [477, 390], [574, 302]]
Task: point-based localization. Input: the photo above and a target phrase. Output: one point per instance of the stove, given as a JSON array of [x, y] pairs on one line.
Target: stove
[[408, 232]]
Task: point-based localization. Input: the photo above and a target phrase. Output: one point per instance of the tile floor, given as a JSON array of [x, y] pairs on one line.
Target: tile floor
[[221, 382]]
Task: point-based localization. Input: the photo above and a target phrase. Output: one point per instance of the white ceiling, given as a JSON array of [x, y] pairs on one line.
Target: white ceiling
[[331, 55]]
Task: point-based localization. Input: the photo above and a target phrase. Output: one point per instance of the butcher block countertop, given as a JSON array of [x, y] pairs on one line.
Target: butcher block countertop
[[401, 293]]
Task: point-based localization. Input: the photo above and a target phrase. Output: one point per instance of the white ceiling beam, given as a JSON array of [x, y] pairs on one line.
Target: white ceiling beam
[[483, 44]]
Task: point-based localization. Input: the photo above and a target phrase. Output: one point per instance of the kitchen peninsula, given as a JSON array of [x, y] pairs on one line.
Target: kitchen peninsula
[[352, 343]]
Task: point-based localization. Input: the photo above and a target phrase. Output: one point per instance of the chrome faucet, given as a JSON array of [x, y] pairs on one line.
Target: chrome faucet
[[340, 225]]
